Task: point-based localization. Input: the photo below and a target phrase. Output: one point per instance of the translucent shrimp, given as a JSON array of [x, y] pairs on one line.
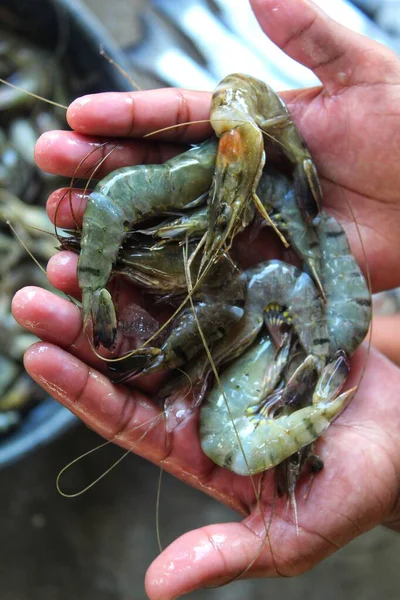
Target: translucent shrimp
[[245, 441], [277, 194], [161, 268], [190, 226], [218, 303], [278, 285]]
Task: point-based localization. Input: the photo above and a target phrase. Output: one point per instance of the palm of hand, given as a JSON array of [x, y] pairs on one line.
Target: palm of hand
[[352, 135], [346, 129]]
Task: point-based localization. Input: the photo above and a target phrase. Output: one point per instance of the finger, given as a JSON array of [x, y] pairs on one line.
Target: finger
[[215, 555], [55, 320], [73, 155], [386, 335], [134, 114], [65, 207], [209, 556], [58, 321], [61, 272], [125, 416], [338, 56], [116, 413]]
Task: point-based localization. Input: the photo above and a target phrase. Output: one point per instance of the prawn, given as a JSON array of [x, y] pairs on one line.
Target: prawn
[[190, 226], [278, 195], [348, 306], [160, 268], [243, 110], [288, 472], [124, 198], [277, 285], [263, 429], [247, 443]]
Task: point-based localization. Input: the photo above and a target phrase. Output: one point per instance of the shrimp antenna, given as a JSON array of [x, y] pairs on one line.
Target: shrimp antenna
[[175, 127], [152, 423], [158, 529], [158, 532], [25, 247], [186, 123], [76, 494], [39, 229], [52, 102], [35, 260], [69, 190], [74, 177], [93, 170], [96, 167], [123, 72]]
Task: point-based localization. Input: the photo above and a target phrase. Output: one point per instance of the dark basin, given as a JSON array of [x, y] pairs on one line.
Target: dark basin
[[82, 36]]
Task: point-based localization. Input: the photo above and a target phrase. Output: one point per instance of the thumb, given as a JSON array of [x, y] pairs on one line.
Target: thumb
[[208, 557], [338, 57]]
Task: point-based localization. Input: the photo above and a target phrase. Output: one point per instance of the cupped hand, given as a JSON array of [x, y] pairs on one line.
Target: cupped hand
[[352, 127]]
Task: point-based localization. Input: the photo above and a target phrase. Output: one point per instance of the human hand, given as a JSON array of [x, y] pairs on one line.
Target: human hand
[[385, 336], [351, 128]]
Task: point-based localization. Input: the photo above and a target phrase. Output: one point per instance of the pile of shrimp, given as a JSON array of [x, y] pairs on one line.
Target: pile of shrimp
[[263, 351], [23, 193]]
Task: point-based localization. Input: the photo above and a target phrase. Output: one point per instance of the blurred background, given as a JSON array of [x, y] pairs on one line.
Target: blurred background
[[99, 545]]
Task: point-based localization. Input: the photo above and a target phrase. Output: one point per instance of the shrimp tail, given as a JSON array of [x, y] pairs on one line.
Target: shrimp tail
[[104, 318], [330, 384], [332, 378]]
